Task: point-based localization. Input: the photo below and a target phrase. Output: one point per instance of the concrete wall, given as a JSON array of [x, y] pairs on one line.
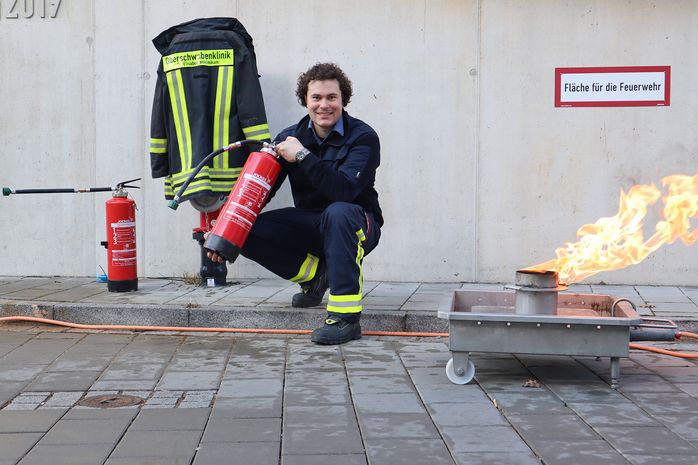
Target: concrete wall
[[480, 173]]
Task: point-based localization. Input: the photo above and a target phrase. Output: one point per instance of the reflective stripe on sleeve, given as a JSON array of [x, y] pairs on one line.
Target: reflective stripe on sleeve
[[158, 145], [258, 132]]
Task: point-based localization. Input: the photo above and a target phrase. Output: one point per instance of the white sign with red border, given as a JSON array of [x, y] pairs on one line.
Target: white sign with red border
[[624, 86]]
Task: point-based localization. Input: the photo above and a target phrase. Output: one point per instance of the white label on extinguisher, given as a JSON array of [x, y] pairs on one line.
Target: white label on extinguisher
[[124, 232], [253, 193], [258, 179], [249, 199], [241, 220], [125, 257], [124, 224]]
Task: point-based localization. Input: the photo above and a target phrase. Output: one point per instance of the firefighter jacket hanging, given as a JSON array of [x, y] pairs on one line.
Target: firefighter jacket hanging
[[207, 96]]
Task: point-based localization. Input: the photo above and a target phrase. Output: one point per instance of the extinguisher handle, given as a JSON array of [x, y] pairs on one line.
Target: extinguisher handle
[[124, 184]]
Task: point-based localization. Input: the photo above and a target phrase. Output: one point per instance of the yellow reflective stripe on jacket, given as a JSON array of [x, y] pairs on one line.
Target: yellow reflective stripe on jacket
[[227, 181], [169, 190], [158, 145], [181, 117], [344, 303], [221, 115], [216, 180], [210, 172], [307, 270], [201, 186], [258, 132], [195, 58]]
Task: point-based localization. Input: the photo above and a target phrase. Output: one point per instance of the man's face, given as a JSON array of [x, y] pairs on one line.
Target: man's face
[[324, 103]]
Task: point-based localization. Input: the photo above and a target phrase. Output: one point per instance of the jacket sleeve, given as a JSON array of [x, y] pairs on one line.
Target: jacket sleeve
[[356, 170], [250, 103], [159, 157]]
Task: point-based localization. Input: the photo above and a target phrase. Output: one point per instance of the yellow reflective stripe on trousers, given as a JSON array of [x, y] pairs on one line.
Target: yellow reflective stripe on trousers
[[360, 258], [259, 132], [221, 118], [307, 270], [181, 117], [350, 303], [158, 145], [344, 303]]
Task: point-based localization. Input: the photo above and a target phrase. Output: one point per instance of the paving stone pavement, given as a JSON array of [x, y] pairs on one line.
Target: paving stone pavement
[[221, 398], [265, 303]]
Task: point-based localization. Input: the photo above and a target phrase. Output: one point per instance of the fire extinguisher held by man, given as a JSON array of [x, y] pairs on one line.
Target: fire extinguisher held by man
[[330, 159]]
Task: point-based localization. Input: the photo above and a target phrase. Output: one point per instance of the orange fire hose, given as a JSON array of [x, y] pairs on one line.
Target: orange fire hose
[[201, 329], [662, 351], [289, 332]]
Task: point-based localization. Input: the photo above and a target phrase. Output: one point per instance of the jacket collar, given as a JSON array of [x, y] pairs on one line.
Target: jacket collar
[[306, 137]]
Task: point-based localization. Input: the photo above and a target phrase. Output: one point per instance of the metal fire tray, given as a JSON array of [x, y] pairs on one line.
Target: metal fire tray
[[584, 325]]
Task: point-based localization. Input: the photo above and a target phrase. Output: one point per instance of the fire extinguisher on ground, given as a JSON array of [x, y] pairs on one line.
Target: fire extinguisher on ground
[[122, 270], [122, 273], [245, 201]]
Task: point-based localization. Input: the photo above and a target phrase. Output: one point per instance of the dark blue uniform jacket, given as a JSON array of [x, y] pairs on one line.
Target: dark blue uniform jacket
[[340, 169]]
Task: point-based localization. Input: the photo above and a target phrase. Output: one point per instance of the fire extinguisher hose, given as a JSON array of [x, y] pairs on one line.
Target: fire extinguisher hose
[[70, 190], [174, 203]]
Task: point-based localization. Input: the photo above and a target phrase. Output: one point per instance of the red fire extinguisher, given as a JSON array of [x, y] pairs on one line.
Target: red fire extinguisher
[[122, 271], [246, 200], [244, 203]]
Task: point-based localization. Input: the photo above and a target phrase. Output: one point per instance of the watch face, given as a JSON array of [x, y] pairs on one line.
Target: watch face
[[301, 154]]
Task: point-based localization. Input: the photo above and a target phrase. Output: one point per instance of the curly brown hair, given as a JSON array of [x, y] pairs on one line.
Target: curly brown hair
[[324, 72]]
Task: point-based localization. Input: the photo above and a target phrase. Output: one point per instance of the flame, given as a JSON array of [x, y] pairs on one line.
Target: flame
[[618, 241]]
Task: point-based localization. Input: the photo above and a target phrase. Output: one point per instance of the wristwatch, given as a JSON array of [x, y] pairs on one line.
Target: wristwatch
[[301, 154]]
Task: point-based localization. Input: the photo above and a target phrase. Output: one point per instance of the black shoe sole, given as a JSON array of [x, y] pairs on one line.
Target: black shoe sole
[[334, 341]]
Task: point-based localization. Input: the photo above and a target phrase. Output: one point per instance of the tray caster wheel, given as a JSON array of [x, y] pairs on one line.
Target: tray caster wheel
[[460, 378]]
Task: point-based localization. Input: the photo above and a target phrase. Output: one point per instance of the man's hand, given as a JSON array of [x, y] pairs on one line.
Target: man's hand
[[214, 257], [288, 149]]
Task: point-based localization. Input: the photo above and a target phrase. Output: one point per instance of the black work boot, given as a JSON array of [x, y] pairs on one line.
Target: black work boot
[[313, 291], [337, 331]]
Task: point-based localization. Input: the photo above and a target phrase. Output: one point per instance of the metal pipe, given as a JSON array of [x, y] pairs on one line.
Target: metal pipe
[[536, 292], [654, 329]]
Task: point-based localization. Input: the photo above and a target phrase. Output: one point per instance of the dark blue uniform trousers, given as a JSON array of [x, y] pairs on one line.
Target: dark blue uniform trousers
[[294, 243]]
